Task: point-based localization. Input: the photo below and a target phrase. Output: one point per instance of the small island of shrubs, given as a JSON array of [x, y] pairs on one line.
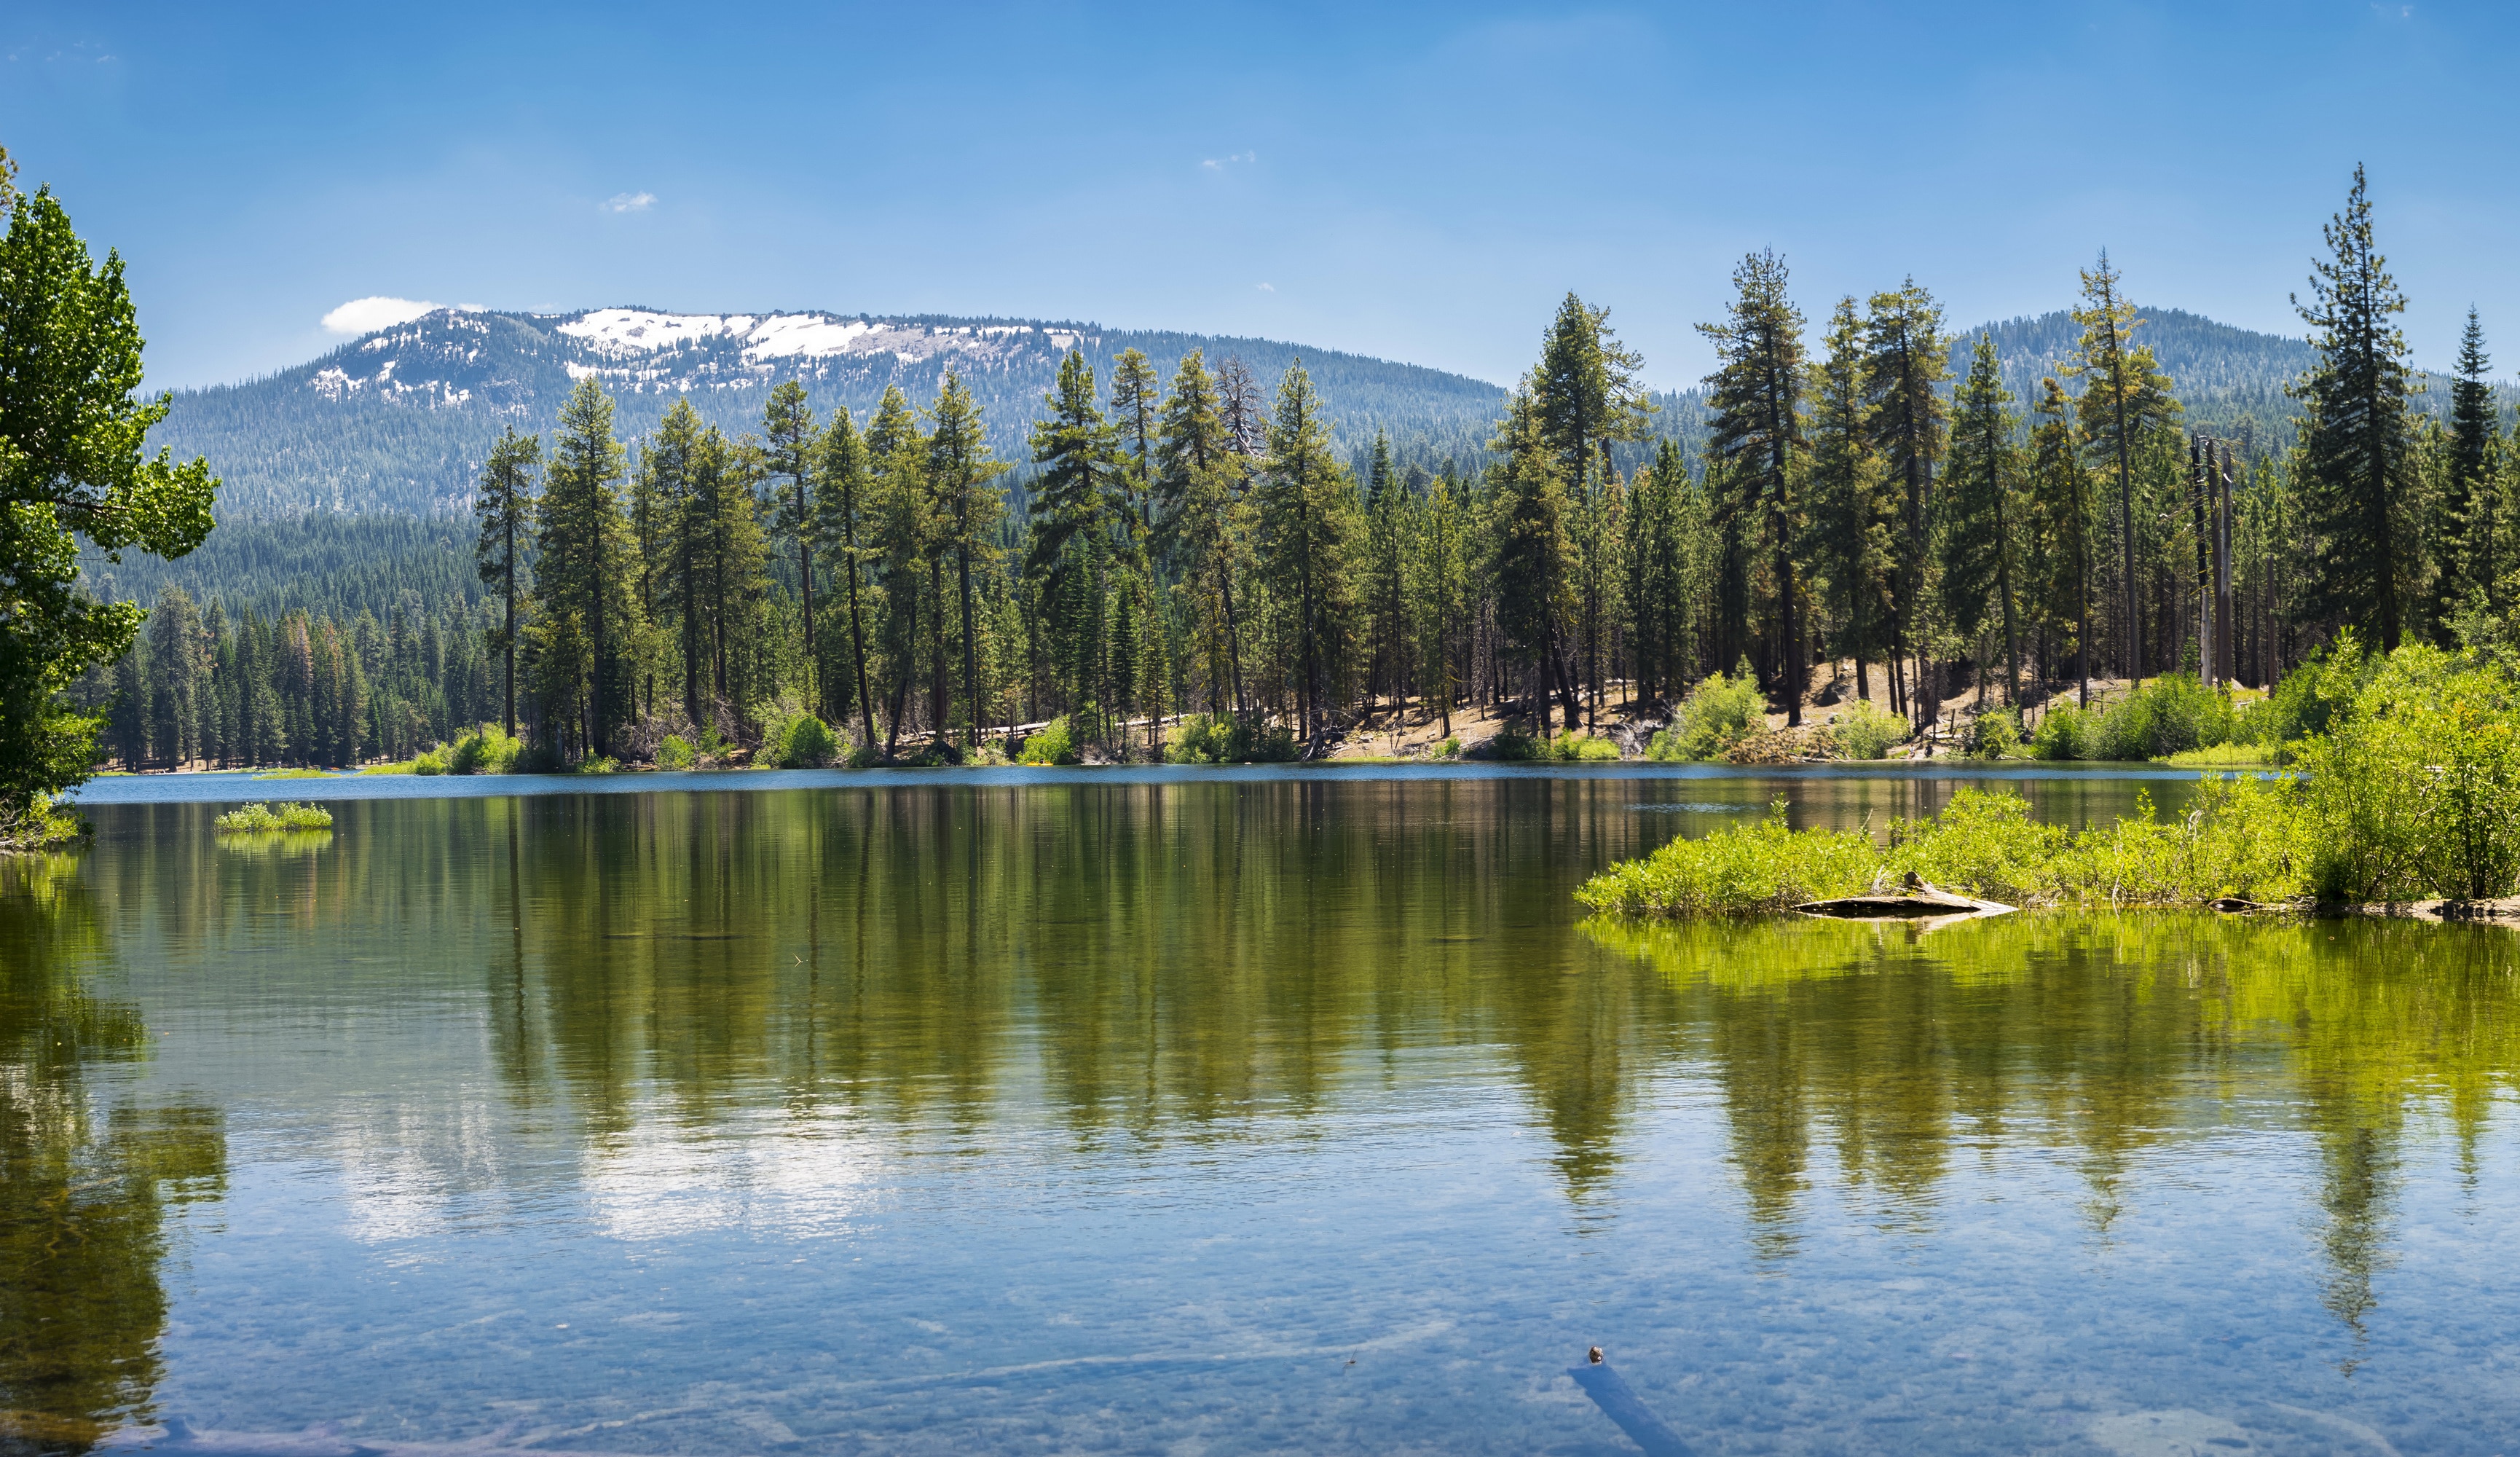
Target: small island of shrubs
[[257, 819], [2403, 788]]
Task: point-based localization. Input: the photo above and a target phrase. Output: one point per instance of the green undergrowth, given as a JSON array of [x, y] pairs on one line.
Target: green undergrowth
[[2243, 838], [1569, 747], [253, 819], [44, 825]]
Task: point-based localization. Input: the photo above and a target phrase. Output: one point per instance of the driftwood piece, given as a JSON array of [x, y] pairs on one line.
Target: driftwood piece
[[1916, 900]]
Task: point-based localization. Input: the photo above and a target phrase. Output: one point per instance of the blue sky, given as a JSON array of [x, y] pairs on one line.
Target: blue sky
[[1422, 183]]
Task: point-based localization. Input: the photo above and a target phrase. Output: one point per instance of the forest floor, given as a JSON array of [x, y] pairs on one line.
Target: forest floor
[[1415, 733]]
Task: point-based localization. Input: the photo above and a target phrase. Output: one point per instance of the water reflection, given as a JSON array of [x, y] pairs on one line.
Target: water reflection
[[2107, 1037], [661, 1016], [87, 1180]]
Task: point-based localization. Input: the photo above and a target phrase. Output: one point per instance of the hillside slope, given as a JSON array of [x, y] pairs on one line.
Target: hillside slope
[[399, 421]]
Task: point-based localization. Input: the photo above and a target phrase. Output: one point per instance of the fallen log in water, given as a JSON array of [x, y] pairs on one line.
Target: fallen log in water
[[1918, 901]]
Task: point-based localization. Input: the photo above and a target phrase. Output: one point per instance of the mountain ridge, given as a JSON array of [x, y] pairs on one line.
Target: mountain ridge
[[399, 419]]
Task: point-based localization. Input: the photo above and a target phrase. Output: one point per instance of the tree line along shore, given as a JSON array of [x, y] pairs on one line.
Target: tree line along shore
[[1183, 567]]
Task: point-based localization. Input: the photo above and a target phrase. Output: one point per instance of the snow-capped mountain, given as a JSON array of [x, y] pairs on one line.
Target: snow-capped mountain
[[399, 420]]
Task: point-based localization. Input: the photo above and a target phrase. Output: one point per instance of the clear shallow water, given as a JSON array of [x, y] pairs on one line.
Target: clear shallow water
[[1186, 1113]]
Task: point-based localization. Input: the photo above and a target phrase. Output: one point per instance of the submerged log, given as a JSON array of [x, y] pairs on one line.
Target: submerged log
[[1918, 900]]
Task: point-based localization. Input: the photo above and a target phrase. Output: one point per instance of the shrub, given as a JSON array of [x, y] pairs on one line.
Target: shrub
[[255, 818], [1996, 734], [1050, 743], [487, 750], [675, 753], [2412, 787], [2174, 713], [44, 823], [800, 742], [1450, 749], [433, 760], [1719, 712], [1866, 732], [2065, 732], [1738, 869], [1221, 739]]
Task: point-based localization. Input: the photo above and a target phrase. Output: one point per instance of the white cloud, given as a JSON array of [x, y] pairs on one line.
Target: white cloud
[[1268, 288], [1220, 164], [630, 201], [367, 315]]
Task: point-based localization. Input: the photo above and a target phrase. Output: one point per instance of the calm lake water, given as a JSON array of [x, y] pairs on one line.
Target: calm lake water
[[1169, 1113]]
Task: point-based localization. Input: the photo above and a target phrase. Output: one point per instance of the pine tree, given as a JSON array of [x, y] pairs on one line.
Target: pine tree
[[1200, 523], [505, 508], [1755, 396], [1077, 497], [840, 506], [1980, 549], [791, 443], [1137, 403], [585, 561], [1387, 526], [1440, 586], [903, 534], [2469, 505], [1303, 501], [2126, 398], [676, 527], [1853, 508], [1533, 552], [2061, 507], [961, 476], [1588, 395], [1906, 360], [2355, 462]]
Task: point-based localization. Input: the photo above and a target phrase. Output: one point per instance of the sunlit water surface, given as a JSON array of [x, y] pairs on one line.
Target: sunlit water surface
[[1182, 1114]]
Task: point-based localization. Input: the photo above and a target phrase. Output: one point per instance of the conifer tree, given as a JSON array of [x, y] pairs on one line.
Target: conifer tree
[[1588, 398], [1079, 494], [1906, 361], [2354, 458], [1853, 508], [840, 507], [675, 533], [903, 531], [585, 561], [1303, 503], [2469, 505], [1439, 576], [2060, 504], [1387, 526], [1980, 501], [505, 508], [1528, 488], [963, 478], [1137, 402], [1201, 523], [2126, 398], [1755, 396], [790, 445]]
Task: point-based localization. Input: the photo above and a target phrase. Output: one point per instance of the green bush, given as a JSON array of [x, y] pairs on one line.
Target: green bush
[[801, 742], [251, 819], [1450, 749], [675, 753], [1050, 743], [487, 750], [432, 761], [2174, 713], [1996, 734], [1719, 712], [2413, 783], [1736, 870], [2250, 838], [1866, 732], [1221, 739]]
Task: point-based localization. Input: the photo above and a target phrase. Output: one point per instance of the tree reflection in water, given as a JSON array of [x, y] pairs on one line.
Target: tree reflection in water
[[82, 1229]]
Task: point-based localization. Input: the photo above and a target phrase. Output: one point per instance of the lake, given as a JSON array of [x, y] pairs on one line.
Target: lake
[[1213, 1111]]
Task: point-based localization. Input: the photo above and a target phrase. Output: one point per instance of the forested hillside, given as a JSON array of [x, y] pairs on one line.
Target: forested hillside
[[400, 421], [722, 527]]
